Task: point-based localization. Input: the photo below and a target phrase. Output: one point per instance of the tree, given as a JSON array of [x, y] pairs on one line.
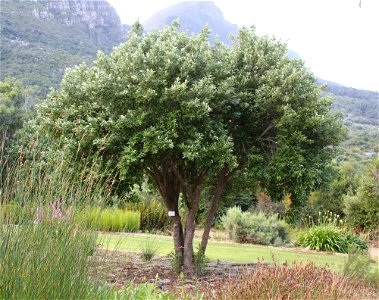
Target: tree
[[192, 115], [362, 209], [13, 96]]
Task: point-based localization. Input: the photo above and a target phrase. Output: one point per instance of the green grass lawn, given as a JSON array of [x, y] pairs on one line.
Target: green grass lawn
[[231, 252]]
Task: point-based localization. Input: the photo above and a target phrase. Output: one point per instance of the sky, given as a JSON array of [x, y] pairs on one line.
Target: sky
[[337, 39]]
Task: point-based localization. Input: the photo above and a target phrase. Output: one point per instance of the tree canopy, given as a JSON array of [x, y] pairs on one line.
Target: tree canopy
[[191, 115]]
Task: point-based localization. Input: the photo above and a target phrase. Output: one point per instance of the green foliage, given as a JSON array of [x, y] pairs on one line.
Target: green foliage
[[154, 215], [362, 209], [344, 181], [50, 260], [111, 219], [329, 238], [14, 98], [140, 292], [200, 261], [167, 95], [11, 212], [175, 261], [255, 227]]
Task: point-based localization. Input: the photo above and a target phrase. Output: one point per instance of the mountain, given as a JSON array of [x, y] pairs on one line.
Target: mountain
[[40, 38], [194, 15]]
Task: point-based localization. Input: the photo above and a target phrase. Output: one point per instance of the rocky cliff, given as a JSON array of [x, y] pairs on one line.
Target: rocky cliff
[[40, 38]]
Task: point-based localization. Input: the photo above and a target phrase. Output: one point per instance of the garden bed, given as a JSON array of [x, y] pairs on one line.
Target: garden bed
[[118, 268]]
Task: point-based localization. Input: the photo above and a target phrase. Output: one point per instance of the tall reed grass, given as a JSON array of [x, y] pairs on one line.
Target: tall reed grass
[[45, 253], [46, 260]]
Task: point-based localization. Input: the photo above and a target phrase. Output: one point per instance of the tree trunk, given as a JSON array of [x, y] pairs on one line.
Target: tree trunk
[[177, 233], [169, 189], [221, 182], [188, 264]]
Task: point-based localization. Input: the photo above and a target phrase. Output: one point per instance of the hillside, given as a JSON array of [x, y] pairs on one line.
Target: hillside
[[40, 38], [193, 17]]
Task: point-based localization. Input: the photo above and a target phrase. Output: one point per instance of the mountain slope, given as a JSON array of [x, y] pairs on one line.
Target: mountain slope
[[194, 15], [40, 38]]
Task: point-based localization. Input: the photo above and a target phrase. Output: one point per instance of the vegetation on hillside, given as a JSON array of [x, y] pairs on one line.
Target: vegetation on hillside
[[38, 44]]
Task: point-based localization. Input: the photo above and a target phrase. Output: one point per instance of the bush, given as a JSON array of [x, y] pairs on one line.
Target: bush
[[111, 219], [329, 238], [255, 227], [154, 215]]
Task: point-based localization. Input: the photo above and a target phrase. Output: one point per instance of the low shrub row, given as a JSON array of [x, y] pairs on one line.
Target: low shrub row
[[248, 227], [110, 219]]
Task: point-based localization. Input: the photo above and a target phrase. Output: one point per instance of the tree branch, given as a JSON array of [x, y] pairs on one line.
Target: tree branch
[[180, 178]]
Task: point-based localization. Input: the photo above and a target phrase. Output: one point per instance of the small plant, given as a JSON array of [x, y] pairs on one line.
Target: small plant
[[329, 238], [200, 261], [149, 249], [175, 261]]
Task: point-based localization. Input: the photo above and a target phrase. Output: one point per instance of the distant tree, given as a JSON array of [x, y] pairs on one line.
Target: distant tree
[[12, 107], [192, 115], [344, 180], [362, 209]]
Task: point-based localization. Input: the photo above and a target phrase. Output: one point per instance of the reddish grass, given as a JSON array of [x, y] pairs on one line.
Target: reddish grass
[[298, 281]]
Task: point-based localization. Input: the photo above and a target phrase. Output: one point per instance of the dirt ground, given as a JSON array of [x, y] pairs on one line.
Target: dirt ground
[[118, 268]]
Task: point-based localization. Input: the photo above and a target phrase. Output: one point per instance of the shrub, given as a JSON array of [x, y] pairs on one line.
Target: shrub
[[329, 238], [154, 215], [255, 227]]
